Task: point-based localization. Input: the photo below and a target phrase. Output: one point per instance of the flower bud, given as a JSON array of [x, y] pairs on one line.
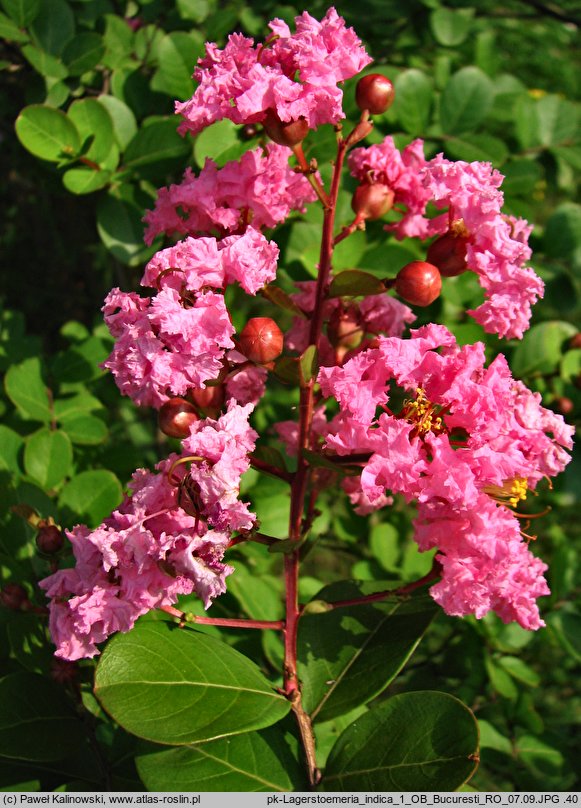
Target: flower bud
[[209, 399], [285, 133], [14, 596], [261, 340], [418, 283], [50, 539], [372, 201], [562, 404], [448, 253], [575, 341], [344, 328], [176, 416], [248, 131], [375, 93]]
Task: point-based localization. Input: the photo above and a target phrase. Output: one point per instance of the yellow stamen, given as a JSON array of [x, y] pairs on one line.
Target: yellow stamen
[[423, 414], [510, 493]]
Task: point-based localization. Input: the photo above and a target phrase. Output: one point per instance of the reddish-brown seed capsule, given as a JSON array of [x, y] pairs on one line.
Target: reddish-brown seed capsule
[[418, 283], [285, 133], [50, 540], [374, 93], [575, 341], [344, 328], [563, 404], [372, 201], [249, 131], [14, 596], [176, 416], [448, 253], [261, 340], [209, 399]]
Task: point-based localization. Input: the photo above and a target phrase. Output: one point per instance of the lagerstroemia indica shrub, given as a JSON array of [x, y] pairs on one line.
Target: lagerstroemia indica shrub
[[386, 412]]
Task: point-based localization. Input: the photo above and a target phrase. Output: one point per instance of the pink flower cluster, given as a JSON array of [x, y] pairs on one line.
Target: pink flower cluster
[[259, 189], [497, 246], [166, 539], [177, 340], [467, 445], [243, 82]]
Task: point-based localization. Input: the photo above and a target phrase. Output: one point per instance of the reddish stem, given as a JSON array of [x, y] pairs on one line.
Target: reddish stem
[[226, 622], [267, 468]]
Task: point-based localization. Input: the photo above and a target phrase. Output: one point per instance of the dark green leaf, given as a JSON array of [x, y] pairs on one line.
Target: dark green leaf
[[253, 761], [280, 298], [519, 670], [37, 721], [270, 455], [424, 741], [541, 348], [194, 10], [54, 26], [451, 27], [158, 143], [309, 364], [466, 100], [26, 389], [179, 687], [287, 369], [350, 654], [413, 100], [47, 133], [562, 237], [23, 12], [48, 456], [121, 229], [83, 53], [91, 495], [355, 283], [10, 31], [567, 628]]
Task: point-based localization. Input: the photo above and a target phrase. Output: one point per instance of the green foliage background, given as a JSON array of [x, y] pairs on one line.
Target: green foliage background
[[92, 98]]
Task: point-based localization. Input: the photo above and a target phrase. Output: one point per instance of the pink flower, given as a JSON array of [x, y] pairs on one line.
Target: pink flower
[[259, 189], [242, 82]]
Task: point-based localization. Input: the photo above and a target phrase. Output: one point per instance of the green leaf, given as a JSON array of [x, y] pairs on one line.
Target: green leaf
[[287, 369], [348, 655], [83, 53], [271, 501], [23, 12], [54, 26], [466, 100], [194, 10], [541, 348], [85, 180], [47, 133], [80, 363], [91, 495], [86, 430], [270, 455], [121, 229], [451, 27], [309, 364], [482, 148], [26, 389], [491, 738], [215, 141], [44, 63], [423, 741], [567, 628], [413, 100], [177, 687], [48, 456], [124, 123], [37, 721], [500, 680], [254, 761], [157, 145], [384, 544], [80, 403], [177, 56], [94, 124], [10, 446], [520, 176], [519, 670], [10, 31], [355, 283], [562, 236], [280, 298]]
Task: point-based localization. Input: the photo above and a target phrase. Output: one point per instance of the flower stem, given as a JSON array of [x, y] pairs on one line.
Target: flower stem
[[226, 622]]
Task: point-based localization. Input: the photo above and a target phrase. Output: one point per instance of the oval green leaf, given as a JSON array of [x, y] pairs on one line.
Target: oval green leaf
[[23, 12], [348, 655], [94, 125], [541, 348], [85, 180], [26, 389], [177, 55], [124, 123], [10, 445], [413, 100], [424, 741], [37, 721], [91, 496], [178, 687], [466, 100], [156, 145], [54, 27], [86, 430], [48, 456], [254, 761], [355, 283], [121, 229], [47, 133], [451, 27], [83, 53]]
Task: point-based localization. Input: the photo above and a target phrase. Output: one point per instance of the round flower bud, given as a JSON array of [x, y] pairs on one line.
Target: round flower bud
[[176, 416], [575, 341], [418, 283], [14, 596], [248, 131], [285, 133], [261, 340], [208, 399], [372, 201], [562, 404], [50, 540], [448, 253], [374, 93]]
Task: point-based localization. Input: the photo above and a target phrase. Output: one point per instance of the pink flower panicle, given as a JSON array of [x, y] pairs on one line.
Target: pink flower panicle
[[242, 82], [467, 444], [259, 189], [167, 539]]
